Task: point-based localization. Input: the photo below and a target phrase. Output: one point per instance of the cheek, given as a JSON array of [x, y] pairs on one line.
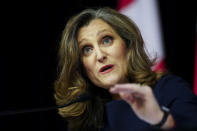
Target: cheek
[[88, 65], [119, 51], [119, 54]]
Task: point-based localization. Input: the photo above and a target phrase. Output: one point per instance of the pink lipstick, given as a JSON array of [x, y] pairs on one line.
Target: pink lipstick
[[106, 69]]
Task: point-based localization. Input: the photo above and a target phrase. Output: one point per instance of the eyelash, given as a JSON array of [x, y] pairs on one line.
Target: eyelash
[[85, 47], [107, 37]]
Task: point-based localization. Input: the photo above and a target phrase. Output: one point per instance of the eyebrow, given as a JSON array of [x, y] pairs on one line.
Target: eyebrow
[[104, 30], [100, 32]]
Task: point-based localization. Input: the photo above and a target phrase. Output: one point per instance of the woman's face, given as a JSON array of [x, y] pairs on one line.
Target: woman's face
[[103, 54]]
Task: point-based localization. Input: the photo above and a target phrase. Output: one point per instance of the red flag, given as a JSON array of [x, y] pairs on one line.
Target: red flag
[[145, 14]]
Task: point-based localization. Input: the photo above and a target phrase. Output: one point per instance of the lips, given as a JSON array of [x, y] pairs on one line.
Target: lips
[[106, 69]]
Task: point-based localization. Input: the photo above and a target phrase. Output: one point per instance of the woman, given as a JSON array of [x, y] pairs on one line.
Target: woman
[[102, 51]]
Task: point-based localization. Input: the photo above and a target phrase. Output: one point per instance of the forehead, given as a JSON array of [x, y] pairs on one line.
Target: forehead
[[95, 27]]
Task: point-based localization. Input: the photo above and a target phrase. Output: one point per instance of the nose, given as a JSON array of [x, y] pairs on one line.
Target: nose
[[100, 55]]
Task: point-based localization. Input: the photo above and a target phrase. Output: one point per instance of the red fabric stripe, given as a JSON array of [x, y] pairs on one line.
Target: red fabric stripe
[[160, 66], [123, 3], [195, 69]]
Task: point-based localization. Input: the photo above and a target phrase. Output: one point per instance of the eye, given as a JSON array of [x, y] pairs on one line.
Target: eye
[[107, 40], [86, 50]]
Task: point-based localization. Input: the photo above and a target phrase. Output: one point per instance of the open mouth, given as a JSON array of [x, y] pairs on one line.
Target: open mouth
[[106, 69]]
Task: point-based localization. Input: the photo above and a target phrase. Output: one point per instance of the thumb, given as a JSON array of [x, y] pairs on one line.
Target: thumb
[[127, 97]]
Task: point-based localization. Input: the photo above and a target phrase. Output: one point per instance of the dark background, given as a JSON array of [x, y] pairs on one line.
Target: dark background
[[30, 33]]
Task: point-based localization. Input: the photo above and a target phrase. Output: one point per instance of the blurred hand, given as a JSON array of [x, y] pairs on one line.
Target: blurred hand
[[142, 101]]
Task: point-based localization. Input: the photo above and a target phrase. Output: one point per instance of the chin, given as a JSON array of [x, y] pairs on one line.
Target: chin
[[107, 83]]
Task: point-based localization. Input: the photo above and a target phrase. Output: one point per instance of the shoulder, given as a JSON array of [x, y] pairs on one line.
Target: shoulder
[[171, 80], [172, 86], [172, 83]]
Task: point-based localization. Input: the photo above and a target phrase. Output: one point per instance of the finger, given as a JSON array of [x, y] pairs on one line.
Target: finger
[[127, 97], [125, 88]]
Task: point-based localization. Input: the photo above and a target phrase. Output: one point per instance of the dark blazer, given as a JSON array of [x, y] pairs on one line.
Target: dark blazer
[[170, 91]]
